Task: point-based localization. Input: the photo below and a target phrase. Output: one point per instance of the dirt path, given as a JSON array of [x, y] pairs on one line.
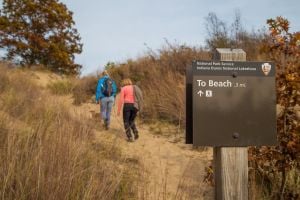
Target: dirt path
[[171, 169], [175, 170]]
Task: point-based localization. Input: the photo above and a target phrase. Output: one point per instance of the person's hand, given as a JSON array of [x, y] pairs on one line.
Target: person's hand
[[118, 113]]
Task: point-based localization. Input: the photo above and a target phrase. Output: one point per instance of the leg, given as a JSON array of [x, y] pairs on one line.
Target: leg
[[133, 115], [104, 109], [110, 104], [126, 116]]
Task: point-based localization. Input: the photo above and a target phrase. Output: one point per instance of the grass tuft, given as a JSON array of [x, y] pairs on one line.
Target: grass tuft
[[62, 87]]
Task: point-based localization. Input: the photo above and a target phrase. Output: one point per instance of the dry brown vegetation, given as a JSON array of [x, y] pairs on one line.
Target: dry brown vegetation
[[50, 151], [46, 152], [161, 76], [61, 87], [84, 89]]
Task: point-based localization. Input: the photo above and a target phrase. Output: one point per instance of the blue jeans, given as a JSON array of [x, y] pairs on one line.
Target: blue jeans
[[106, 107]]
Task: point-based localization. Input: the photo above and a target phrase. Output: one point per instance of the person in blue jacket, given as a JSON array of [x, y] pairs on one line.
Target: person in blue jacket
[[105, 95]]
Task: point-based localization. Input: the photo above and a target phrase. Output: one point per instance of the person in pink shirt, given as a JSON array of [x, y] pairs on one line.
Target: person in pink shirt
[[127, 100]]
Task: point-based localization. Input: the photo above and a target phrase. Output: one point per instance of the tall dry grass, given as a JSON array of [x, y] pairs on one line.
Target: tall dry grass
[[167, 98], [61, 87], [262, 186], [84, 89], [48, 153], [161, 76]]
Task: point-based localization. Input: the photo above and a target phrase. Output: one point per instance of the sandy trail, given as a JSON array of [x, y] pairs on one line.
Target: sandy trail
[[174, 170], [170, 168]]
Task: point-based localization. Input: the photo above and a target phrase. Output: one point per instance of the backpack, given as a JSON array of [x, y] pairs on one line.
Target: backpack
[[138, 98], [107, 88]]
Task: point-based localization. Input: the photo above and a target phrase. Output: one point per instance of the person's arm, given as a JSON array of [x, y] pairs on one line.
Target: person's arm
[[121, 100], [99, 94], [114, 89]]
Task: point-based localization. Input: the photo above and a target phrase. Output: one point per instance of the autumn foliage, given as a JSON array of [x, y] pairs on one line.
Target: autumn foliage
[[273, 170], [39, 32], [274, 164]]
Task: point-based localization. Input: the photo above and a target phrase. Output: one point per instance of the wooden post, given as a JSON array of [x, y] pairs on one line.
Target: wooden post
[[231, 163]]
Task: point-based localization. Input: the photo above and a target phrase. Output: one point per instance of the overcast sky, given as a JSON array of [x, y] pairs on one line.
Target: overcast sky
[[115, 30]]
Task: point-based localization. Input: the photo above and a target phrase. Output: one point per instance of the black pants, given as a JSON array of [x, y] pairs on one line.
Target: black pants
[[129, 114]]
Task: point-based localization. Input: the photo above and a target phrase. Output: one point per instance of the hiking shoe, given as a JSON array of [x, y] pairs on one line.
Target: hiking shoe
[[136, 136], [130, 139], [106, 126]]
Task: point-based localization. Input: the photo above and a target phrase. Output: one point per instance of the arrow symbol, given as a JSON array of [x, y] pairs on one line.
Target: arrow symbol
[[200, 93]]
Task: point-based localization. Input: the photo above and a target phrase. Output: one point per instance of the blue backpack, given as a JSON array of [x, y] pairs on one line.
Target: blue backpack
[[107, 88]]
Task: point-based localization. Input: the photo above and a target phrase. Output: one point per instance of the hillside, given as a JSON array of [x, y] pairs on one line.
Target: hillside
[[273, 170], [56, 141]]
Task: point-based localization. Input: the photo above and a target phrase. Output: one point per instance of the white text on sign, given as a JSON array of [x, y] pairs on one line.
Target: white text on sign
[[212, 83], [225, 84]]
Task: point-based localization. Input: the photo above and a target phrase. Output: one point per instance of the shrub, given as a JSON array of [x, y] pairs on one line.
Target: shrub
[[84, 89], [275, 164], [62, 87]]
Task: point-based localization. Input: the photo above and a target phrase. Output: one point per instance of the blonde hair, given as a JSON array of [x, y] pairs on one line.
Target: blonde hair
[[105, 73], [126, 81]]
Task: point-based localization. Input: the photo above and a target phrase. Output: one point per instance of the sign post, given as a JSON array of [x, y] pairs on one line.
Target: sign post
[[232, 107], [231, 163]]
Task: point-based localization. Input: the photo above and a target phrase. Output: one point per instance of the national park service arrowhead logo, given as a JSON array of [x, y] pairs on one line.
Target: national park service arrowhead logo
[[266, 68]]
